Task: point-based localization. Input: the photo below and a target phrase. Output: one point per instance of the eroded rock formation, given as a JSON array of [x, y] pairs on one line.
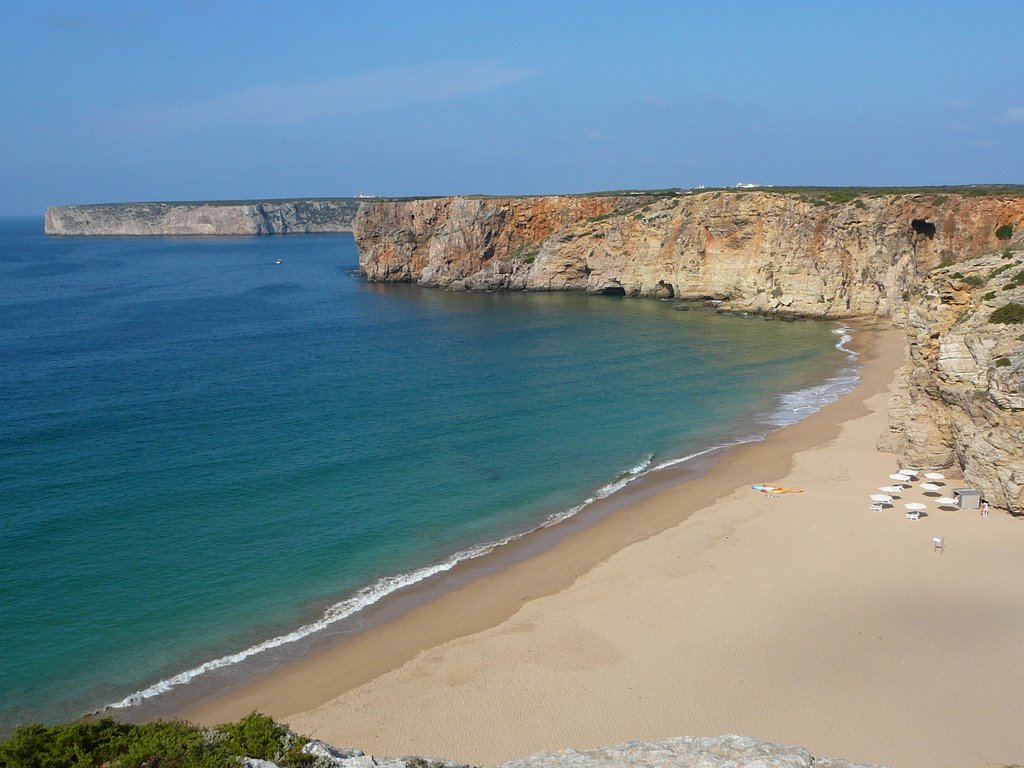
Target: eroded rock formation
[[961, 399], [772, 252], [255, 218]]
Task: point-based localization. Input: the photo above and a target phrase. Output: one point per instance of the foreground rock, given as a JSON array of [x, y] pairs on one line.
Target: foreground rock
[[771, 252], [686, 752], [682, 752], [961, 399], [252, 218]]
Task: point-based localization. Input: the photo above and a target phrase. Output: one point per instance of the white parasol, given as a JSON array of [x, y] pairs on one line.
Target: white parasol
[[916, 505], [945, 501], [882, 497], [899, 477], [891, 488], [935, 475], [929, 486], [911, 472]]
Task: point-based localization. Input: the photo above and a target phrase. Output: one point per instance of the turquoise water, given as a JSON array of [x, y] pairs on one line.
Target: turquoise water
[[200, 448]]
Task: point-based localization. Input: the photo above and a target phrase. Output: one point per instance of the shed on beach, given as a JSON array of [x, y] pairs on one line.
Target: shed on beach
[[969, 498]]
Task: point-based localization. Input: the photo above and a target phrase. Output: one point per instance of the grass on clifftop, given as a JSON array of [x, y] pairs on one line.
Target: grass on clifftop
[[173, 744]]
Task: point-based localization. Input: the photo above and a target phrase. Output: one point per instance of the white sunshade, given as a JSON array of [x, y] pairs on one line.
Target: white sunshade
[[891, 488], [899, 477], [945, 501], [881, 497], [935, 475], [929, 486], [911, 472], [916, 505]]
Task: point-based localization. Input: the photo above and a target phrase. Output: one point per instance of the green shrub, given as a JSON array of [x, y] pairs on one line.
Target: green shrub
[[1003, 362], [958, 275], [257, 735], [999, 270], [1005, 232], [1007, 253], [975, 281], [172, 744], [989, 296], [1008, 313], [946, 262], [530, 257]]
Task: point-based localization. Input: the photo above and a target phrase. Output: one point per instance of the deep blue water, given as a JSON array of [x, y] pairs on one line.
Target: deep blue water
[[200, 448]]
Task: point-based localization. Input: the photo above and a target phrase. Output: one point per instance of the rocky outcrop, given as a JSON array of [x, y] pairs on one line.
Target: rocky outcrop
[[961, 399], [686, 752], [251, 218], [762, 251], [682, 752]]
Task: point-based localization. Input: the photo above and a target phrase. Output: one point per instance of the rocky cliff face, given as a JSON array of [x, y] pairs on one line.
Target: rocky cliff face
[[256, 218], [760, 251], [962, 396], [682, 752]]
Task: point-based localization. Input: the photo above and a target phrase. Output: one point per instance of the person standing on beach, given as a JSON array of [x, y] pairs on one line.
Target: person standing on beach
[[984, 508]]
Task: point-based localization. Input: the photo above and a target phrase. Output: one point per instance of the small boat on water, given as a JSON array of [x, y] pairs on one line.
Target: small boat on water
[[280, 261]]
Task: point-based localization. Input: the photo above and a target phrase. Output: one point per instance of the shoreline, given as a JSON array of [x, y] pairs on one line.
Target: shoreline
[[326, 629], [706, 608], [562, 552]]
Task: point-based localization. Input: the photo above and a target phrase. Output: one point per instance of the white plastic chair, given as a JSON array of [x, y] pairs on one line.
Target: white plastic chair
[[913, 515], [877, 507], [939, 543]]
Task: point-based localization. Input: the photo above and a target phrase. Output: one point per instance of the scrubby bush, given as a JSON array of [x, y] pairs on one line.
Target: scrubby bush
[[1005, 232], [975, 281], [1003, 362], [946, 262], [257, 735], [173, 744], [957, 275], [989, 296], [1008, 313]]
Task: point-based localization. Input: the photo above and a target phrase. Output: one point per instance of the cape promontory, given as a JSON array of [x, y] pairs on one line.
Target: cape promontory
[[256, 217]]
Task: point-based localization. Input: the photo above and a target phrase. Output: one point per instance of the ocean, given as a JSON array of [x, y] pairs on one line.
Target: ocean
[[207, 455]]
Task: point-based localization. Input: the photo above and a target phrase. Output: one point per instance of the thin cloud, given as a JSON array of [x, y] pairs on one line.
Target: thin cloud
[[1014, 115], [286, 104]]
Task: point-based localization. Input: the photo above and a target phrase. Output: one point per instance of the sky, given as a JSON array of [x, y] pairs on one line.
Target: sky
[[201, 100]]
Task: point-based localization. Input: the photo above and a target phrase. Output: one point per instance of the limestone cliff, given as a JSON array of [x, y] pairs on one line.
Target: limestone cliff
[[762, 251], [249, 218], [962, 396]]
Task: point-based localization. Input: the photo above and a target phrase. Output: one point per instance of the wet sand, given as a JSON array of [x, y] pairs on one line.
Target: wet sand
[[707, 608]]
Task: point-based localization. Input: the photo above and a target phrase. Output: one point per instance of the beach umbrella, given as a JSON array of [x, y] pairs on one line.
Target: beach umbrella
[[911, 472], [945, 501], [916, 505], [934, 475], [891, 488], [881, 497], [929, 486], [899, 477]]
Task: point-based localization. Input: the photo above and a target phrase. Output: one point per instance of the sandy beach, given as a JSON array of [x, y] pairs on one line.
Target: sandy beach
[[708, 608]]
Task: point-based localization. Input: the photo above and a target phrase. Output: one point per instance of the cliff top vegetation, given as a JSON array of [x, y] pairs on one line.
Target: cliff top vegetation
[[174, 744]]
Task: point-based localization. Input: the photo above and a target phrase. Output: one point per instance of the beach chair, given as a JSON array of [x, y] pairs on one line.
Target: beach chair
[[913, 514], [877, 507], [939, 543]]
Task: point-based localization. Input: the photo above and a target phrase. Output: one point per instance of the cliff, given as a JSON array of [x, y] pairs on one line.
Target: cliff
[[761, 251], [243, 218], [961, 399]]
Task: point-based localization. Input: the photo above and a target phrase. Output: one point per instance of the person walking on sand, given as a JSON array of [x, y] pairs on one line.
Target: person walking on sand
[[984, 508]]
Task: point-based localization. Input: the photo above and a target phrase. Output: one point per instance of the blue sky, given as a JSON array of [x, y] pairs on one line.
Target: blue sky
[[108, 101]]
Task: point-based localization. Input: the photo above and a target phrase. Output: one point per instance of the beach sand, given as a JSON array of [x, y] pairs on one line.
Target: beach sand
[[703, 609]]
